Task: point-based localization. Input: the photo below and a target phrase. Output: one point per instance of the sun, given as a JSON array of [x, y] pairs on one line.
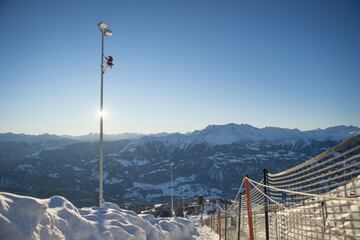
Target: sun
[[102, 113]]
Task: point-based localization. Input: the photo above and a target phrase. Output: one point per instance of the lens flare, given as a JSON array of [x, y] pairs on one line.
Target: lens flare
[[102, 114]]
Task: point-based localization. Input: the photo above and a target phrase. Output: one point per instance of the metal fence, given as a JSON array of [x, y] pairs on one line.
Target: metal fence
[[318, 199]]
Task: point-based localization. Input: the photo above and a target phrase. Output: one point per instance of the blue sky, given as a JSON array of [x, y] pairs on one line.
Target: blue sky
[[179, 65]]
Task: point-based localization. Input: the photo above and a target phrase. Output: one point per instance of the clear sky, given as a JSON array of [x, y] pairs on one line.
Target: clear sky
[[179, 65]]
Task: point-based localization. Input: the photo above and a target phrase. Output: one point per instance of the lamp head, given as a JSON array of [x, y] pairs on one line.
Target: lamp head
[[108, 32], [102, 26]]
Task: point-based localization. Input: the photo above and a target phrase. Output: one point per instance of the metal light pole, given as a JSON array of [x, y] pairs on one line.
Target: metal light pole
[[172, 192], [103, 27], [183, 202]]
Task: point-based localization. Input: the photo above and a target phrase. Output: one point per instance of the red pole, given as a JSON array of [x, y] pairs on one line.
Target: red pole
[[219, 224], [248, 205]]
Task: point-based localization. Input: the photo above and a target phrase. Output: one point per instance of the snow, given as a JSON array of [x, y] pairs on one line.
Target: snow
[[157, 170], [181, 189], [77, 169], [205, 233], [25, 168], [25, 218], [127, 163], [113, 180], [164, 189], [231, 133], [94, 160], [53, 175], [35, 154]]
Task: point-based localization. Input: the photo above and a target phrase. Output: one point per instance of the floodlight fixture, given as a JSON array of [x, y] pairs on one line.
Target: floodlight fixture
[[103, 26], [108, 32]]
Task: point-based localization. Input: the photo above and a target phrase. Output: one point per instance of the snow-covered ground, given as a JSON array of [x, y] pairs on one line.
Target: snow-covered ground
[[24, 218], [205, 233]]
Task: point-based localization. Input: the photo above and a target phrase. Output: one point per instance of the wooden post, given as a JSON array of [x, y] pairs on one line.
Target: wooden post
[[239, 222], [226, 216], [219, 224], [248, 206], [323, 219], [266, 205]]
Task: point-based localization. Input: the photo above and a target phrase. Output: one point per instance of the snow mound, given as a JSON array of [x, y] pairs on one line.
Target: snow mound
[[24, 218]]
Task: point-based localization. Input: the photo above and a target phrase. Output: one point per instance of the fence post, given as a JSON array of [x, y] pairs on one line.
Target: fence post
[[219, 223], [254, 218], [266, 208], [226, 216], [323, 218], [248, 206], [239, 216], [276, 225]]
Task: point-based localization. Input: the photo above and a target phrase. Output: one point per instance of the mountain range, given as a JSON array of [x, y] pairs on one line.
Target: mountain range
[[91, 137], [208, 162]]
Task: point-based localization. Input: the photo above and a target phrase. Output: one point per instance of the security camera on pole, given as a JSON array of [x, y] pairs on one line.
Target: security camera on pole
[[106, 62]]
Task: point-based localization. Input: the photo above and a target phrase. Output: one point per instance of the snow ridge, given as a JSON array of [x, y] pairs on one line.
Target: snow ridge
[[25, 218]]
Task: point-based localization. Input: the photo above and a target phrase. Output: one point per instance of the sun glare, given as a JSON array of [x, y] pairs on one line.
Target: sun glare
[[102, 113]]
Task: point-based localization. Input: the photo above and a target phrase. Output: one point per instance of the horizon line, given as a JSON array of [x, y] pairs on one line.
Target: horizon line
[[170, 132]]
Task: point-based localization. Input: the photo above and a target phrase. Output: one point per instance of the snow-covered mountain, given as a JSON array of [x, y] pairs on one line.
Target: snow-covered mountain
[[12, 137], [212, 134], [232, 133], [208, 162], [91, 137]]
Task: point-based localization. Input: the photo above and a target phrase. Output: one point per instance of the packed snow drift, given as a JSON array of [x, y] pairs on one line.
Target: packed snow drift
[[56, 218]]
